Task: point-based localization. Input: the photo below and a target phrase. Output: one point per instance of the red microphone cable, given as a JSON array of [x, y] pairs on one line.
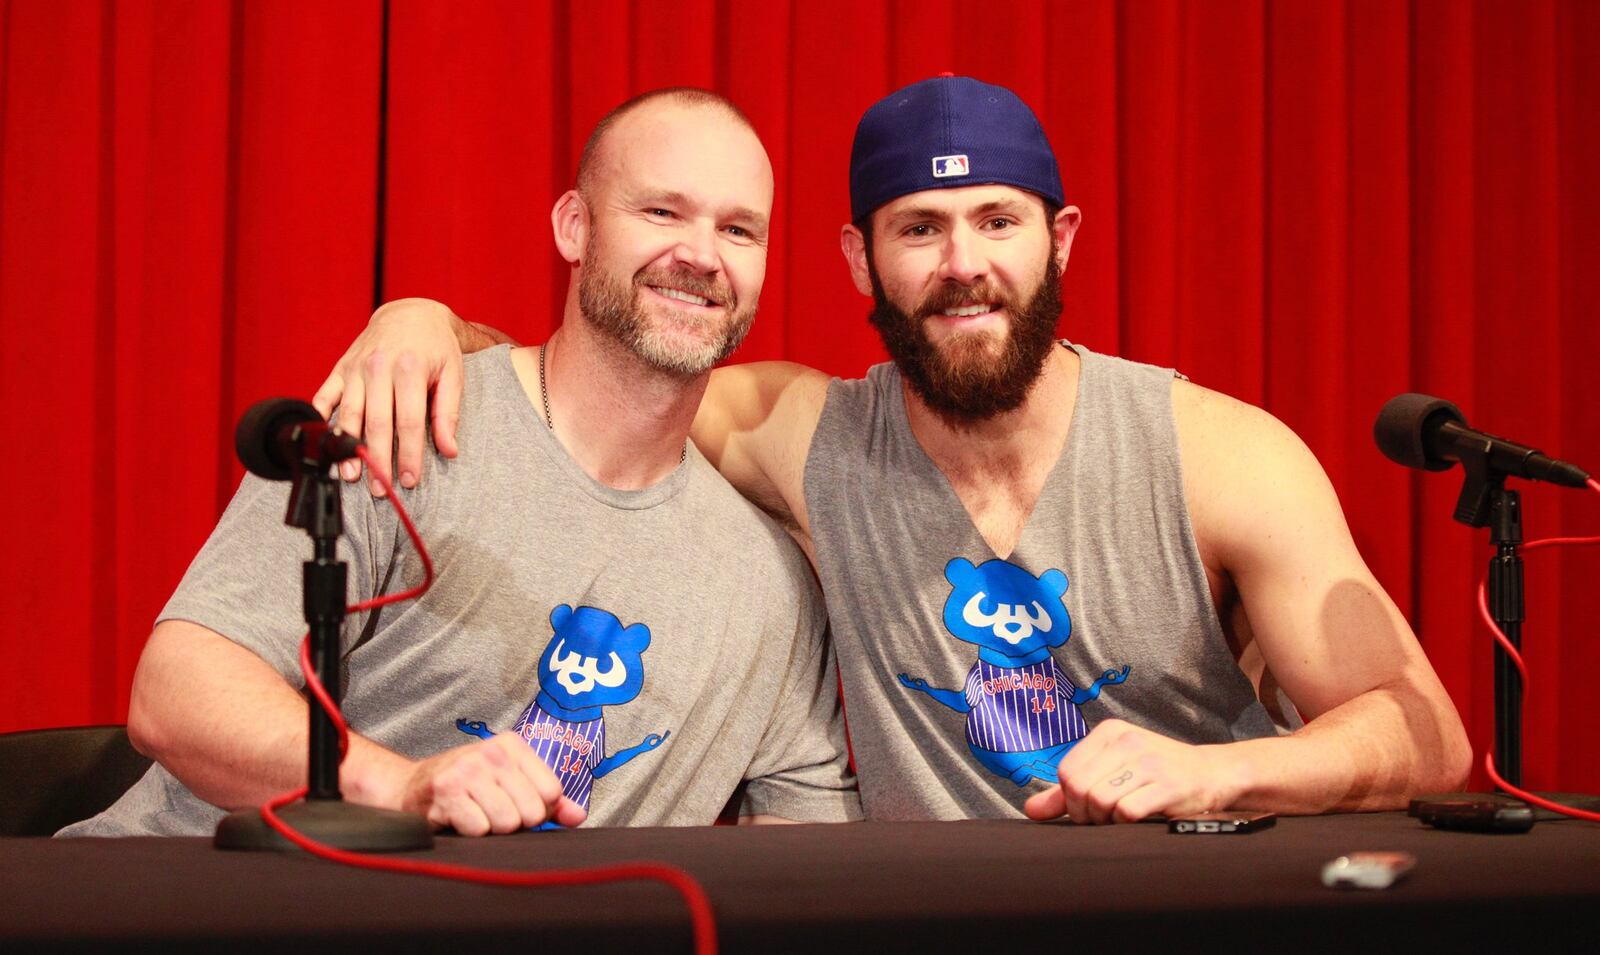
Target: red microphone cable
[[1522, 668], [694, 895]]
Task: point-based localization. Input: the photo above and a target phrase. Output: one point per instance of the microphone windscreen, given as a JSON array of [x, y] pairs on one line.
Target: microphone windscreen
[[1403, 425], [256, 437]]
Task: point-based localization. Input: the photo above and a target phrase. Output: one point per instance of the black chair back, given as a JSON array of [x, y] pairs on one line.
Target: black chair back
[[50, 778]]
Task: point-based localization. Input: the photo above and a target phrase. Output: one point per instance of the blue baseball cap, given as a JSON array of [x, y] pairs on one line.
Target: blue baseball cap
[[945, 132]]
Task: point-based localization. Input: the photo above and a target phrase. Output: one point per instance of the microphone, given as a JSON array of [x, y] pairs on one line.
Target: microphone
[[1421, 431], [280, 437]]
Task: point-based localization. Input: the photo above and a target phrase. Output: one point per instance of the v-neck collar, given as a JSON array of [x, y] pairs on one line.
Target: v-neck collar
[[920, 456]]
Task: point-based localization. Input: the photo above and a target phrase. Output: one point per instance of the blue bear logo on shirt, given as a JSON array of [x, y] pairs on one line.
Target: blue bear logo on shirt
[[1022, 711], [592, 661], [1013, 616]]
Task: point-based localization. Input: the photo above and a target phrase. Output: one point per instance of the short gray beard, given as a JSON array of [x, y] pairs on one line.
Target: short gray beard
[[614, 308]]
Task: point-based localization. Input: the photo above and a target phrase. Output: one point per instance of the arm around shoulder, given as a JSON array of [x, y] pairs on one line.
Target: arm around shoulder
[[755, 425], [408, 355]]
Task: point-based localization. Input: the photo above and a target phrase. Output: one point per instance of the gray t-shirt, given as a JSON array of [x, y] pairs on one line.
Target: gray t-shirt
[[968, 677], [662, 648]]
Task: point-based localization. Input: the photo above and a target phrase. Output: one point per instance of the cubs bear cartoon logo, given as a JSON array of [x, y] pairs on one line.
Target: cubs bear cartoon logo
[[591, 662], [1022, 711]]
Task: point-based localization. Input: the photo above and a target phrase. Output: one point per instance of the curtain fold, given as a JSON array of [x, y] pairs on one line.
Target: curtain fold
[[1311, 207]]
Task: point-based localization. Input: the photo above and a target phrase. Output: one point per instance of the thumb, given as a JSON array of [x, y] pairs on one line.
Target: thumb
[[1046, 805], [569, 813]]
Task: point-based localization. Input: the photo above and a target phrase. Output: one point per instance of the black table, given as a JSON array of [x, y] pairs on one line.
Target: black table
[[969, 886]]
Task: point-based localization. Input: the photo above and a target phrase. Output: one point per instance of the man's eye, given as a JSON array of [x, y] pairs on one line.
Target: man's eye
[[999, 224], [920, 231], [660, 213], [738, 232]]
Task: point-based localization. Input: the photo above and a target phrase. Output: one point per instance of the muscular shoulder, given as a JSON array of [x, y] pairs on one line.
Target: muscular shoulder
[[755, 425], [775, 402], [1223, 434], [1247, 477], [754, 390]]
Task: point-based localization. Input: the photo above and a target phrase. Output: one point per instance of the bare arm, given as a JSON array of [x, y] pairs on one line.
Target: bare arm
[[1380, 726], [226, 724], [755, 421], [755, 425]]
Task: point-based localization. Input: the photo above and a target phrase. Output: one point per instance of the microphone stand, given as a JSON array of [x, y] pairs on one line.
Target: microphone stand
[[323, 815], [1485, 502]]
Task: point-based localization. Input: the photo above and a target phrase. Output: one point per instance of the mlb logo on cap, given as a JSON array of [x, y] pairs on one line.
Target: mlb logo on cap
[[946, 166], [974, 133]]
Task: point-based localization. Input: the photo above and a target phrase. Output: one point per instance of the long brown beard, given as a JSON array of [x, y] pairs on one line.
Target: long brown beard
[[613, 307], [963, 381]]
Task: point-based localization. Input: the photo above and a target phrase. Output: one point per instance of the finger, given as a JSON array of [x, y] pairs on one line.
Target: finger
[[380, 417], [487, 787], [351, 411], [528, 778], [569, 813], [527, 805], [442, 784], [1050, 804], [327, 397], [438, 816], [1147, 800], [467, 817], [1104, 797], [535, 771], [1086, 749], [454, 806], [447, 407], [410, 417], [1085, 765]]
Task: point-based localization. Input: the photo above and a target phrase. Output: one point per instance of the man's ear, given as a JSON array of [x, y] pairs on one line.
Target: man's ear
[[570, 222], [854, 246], [1066, 226]]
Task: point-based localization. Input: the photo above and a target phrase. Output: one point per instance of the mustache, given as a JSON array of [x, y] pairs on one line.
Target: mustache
[[718, 292], [954, 295]]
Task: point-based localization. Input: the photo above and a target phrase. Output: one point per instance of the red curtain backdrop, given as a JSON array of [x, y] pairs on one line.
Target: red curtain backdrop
[[1310, 206]]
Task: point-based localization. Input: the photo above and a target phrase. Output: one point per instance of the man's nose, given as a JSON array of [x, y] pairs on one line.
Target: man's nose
[[697, 248], [963, 260]]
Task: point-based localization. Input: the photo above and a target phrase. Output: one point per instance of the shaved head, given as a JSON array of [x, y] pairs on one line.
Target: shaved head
[[593, 149], [674, 203]]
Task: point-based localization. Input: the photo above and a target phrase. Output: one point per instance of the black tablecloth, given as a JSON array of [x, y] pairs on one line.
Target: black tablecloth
[[870, 886]]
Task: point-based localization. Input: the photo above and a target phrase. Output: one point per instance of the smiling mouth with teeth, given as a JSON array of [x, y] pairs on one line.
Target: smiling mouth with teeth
[[682, 296], [967, 311]]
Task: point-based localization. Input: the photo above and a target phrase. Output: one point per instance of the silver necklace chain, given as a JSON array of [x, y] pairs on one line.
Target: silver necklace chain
[[544, 399]]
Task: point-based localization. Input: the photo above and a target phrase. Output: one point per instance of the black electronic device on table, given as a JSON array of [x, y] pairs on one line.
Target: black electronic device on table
[[1474, 815], [1222, 823]]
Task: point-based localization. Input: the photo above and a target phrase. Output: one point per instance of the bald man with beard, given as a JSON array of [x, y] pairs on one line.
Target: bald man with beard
[[615, 636]]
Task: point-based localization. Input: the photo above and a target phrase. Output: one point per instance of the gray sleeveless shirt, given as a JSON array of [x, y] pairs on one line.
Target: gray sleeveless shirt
[[967, 677]]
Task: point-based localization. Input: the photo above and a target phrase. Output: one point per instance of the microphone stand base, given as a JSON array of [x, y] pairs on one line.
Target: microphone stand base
[[333, 822]]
